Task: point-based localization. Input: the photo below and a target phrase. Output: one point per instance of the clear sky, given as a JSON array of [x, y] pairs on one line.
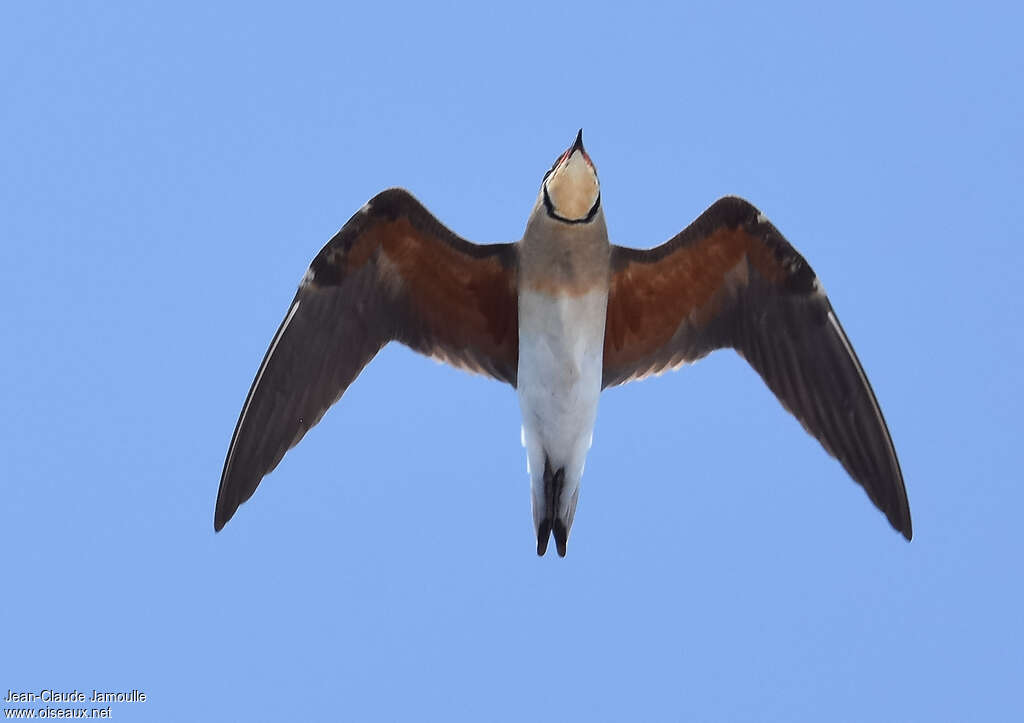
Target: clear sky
[[167, 173]]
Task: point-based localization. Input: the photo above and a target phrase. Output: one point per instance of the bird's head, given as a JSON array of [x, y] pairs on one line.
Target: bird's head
[[570, 191]]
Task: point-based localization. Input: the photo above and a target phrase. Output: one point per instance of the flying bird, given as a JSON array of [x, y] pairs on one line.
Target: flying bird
[[561, 315]]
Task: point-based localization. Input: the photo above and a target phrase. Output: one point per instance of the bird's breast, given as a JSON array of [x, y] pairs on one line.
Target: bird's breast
[[561, 345]]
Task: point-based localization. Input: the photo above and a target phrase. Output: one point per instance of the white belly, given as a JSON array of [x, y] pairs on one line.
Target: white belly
[[561, 346]]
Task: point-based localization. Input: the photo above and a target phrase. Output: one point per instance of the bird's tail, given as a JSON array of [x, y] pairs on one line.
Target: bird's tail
[[554, 511]]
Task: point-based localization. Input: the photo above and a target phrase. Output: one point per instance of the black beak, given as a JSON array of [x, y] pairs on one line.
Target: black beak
[[578, 143]]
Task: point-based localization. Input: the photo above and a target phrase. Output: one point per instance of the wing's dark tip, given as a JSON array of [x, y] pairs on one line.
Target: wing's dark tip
[[900, 519], [561, 537], [221, 515], [908, 527], [543, 535]]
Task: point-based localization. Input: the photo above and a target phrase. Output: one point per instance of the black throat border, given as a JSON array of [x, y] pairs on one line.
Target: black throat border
[[550, 208]]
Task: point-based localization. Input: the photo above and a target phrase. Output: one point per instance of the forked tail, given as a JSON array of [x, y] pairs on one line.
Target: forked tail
[[553, 519]]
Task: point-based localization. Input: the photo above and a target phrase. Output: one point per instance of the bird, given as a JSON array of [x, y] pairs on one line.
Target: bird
[[562, 315]]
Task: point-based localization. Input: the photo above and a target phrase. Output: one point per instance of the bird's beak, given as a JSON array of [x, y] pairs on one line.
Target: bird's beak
[[577, 144]]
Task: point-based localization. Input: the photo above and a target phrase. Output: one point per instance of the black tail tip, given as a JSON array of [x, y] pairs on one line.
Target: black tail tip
[[545, 530], [561, 537], [543, 535]]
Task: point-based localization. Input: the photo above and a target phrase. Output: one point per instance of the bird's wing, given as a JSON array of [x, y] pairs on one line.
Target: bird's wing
[[730, 279], [393, 272]]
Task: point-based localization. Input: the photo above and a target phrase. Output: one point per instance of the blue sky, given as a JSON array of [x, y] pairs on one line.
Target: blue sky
[[169, 171]]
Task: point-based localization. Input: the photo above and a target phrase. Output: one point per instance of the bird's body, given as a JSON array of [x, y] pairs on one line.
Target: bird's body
[[561, 340], [563, 300], [561, 315]]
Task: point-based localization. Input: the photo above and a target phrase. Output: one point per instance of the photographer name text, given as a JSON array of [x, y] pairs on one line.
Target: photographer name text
[[74, 696]]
